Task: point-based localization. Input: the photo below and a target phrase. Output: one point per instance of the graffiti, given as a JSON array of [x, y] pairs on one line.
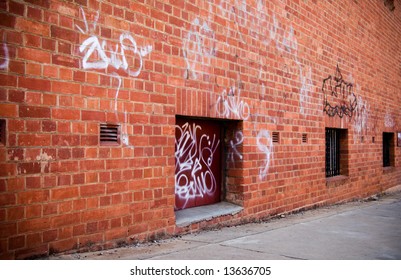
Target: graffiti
[[265, 145], [343, 92], [232, 10], [194, 158], [389, 120], [230, 103], [124, 132], [234, 144], [290, 43], [4, 64], [44, 160], [361, 118], [198, 47], [306, 87], [98, 56], [118, 58]]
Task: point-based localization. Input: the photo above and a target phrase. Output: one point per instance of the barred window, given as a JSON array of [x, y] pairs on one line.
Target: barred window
[[336, 152]]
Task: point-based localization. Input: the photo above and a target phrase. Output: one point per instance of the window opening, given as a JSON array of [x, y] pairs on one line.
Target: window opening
[[3, 132], [388, 149]]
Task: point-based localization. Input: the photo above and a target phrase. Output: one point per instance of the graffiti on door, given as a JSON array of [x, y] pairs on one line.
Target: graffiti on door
[[198, 163]]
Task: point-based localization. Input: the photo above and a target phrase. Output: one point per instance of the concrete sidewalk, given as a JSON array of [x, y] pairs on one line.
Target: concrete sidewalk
[[352, 231]]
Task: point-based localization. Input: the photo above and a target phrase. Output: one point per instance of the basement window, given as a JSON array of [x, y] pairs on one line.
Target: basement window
[[109, 134], [336, 152], [2, 132], [388, 149]]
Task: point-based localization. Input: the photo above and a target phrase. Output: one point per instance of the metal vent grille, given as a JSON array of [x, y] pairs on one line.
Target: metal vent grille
[[2, 132], [276, 137], [304, 138], [109, 134]]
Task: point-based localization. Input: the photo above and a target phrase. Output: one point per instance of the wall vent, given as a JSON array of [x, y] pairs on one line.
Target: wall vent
[[276, 137], [109, 134], [3, 132], [304, 138]]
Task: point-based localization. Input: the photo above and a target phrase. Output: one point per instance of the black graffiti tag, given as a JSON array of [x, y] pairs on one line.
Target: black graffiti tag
[[340, 92]]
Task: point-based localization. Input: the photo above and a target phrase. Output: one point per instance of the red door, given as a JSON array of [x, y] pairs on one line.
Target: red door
[[197, 163]]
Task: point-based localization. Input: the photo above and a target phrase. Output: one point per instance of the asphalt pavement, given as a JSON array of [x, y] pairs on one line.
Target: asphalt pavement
[[359, 230]]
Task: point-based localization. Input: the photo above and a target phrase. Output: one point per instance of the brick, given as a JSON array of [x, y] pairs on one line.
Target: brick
[[32, 225], [31, 54], [7, 199], [66, 87], [15, 213], [34, 84], [64, 34], [65, 60], [49, 126], [49, 236], [78, 230], [8, 80], [34, 112], [15, 184], [93, 215], [63, 245], [92, 190], [33, 239], [65, 114], [7, 169], [8, 110], [92, 165], [7, 20], [33, 211], [16, 8], [34, 140], [35, 27], [41, 3], [33, 182], [17, 96], [16, 242], [30, 197], [65, 140], [93, 116], [64, 220], [39, 251], [8, 229], [64, 193]]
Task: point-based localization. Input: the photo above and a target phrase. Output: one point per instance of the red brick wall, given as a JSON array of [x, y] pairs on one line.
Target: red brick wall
[[259, 63]]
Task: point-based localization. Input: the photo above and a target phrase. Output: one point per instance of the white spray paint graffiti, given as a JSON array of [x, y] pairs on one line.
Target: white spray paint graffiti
[[389, 120], [194, 177], [306, 87], [361, 118], [198, 47], [117, 58], [265, 145], [4, 65], [95, 56], [232, 10], [234, 144], [288, 43], [230, 103], [124, 132], [44, 160]]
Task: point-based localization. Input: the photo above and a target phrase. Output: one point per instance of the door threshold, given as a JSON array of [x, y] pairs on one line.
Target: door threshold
[[194, 215]]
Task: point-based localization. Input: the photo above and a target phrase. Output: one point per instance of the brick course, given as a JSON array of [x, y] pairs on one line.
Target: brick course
[[257, 67]]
